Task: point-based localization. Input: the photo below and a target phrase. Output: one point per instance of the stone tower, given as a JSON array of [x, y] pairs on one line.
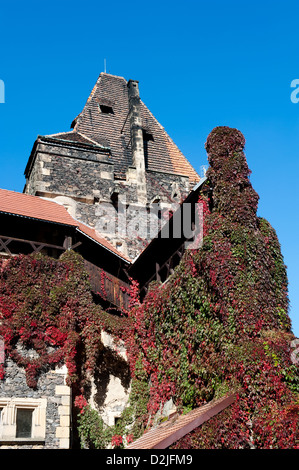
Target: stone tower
[[113, 166]]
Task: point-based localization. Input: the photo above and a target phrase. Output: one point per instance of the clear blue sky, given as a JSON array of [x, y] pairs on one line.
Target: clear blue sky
[[200, 64]]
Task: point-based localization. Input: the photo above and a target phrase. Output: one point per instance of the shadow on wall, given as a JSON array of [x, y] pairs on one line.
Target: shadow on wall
[[109, 364]]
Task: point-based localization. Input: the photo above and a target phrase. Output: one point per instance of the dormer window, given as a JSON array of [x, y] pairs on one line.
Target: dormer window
[[105, 109], [147, 137]]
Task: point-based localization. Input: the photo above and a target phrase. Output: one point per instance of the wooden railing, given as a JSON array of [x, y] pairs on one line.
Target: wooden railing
[[33, 246], [109, 287]]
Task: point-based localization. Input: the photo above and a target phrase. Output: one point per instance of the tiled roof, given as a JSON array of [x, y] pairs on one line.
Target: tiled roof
[[92, 233], [34, 207], [165, 434], [113, 131], [73, 137]]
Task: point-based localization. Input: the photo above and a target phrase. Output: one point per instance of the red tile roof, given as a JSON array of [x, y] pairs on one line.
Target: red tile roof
[[175, 428], [92, 233], [35, 207]]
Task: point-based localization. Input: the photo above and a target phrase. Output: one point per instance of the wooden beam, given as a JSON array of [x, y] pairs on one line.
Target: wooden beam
[[4, 245], [158, 277], [75, 245], [36, 246]]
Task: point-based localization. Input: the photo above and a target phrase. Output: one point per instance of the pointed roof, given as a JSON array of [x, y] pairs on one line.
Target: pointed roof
[[111, 130]]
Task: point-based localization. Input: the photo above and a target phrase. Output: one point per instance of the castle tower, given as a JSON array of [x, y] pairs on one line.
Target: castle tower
[[116, 161]]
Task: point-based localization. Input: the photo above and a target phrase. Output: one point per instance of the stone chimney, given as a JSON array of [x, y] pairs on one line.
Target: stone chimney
[[137, 139]]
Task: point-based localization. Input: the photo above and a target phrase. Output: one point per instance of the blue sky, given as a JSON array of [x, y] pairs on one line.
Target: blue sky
[[200, 64]]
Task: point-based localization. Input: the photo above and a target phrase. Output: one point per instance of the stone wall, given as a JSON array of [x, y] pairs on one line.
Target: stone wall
[[51, 402], [68, 171], [111, 384], [83, 181]]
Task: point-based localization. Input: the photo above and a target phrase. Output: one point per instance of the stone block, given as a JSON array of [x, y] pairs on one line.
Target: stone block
[[62, 390], [65, 400], [63, 410], [65, 420], [63, 432], [64, 443]]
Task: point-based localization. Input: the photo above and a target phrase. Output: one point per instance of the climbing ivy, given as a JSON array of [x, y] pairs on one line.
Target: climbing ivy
[[221, 321], [48, 316], [220, 324]]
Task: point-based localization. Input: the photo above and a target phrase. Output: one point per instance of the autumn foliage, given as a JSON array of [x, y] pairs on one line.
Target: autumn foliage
[[219, 324], [48, 316]]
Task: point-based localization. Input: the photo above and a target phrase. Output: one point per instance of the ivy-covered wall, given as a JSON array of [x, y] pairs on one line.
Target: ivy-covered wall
[[221, 321], [48, 319], [219, 324]]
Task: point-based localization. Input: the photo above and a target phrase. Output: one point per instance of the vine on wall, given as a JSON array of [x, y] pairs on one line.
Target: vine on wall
[[48, 316], [219, 324]]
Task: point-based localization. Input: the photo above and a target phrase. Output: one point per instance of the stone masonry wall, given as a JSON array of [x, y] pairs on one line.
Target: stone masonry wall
[[68, 171], [84, 182], [54, 395]]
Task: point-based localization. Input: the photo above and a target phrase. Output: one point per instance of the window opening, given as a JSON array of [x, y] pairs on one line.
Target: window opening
[[106, 109], [147, 137], [24, 422]]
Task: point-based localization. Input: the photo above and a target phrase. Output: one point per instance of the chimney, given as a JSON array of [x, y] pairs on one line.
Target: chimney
[[137, 139]]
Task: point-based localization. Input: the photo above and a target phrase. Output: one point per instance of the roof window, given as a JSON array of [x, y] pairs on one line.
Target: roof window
[[147, 136], [105, 109]]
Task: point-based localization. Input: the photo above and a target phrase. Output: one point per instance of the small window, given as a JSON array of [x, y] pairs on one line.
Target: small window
[[115, 199], [24, 422], [106, 109], [147, 136], [23, 418], [116, 420]]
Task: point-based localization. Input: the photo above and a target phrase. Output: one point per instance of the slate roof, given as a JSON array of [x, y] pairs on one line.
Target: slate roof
[[34, 207], [73, 137], [113, 131]]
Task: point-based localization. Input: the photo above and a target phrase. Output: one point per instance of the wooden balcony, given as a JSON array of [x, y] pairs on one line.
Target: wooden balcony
[[109, 287]]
